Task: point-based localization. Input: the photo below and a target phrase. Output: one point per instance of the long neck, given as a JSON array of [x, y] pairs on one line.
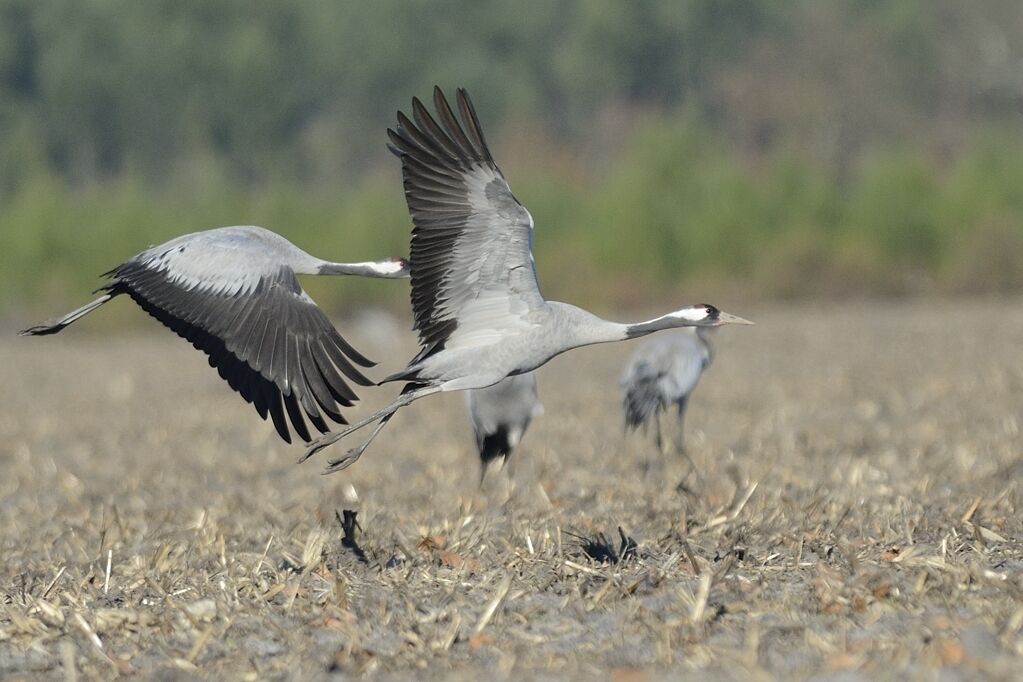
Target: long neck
[[391, 269], [582, 328], [703, 333], [690, 316]]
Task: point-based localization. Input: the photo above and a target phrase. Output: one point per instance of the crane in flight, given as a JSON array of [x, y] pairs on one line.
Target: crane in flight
[[233, 292], [475, 298]]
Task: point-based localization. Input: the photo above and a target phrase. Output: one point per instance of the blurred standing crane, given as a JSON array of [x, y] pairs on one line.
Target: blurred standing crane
[[233, 293], [663, 372], [476, 301], [500, 415]]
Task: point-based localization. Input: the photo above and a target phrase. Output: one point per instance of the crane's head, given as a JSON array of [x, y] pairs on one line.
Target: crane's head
[[700, 315], [706, 315]]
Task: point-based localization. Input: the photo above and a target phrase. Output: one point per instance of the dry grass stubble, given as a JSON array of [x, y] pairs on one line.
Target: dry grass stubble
[[858, 514]]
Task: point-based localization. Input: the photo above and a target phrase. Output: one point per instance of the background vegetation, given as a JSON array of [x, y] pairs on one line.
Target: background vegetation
[[798, 148]]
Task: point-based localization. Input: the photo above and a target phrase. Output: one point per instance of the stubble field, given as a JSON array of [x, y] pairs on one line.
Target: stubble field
[[855, 515]]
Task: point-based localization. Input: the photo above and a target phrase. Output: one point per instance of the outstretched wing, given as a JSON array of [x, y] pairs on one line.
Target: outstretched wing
[[473, 275], [234, 296]]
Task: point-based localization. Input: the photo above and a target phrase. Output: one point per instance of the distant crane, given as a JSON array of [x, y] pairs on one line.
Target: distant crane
[[500, 415], [663, 372], [475, 298], [233, 293]]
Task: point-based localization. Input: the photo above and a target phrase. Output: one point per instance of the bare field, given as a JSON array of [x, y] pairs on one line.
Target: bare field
[[857, 516]]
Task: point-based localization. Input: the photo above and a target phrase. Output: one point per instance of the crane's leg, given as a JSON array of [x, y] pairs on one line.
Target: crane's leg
[[496, 483], [680, 442], [408, 395], [495, 465], [680, 438], [350, 457], [654, 466], [56, 325]]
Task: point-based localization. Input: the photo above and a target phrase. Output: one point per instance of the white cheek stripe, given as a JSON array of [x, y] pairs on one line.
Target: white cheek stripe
[[690, 314]]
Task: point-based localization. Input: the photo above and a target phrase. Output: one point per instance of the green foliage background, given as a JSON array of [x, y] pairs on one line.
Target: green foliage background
[[665, 148]]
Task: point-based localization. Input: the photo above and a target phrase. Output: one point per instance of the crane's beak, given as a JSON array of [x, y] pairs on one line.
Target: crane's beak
[[726, 318]]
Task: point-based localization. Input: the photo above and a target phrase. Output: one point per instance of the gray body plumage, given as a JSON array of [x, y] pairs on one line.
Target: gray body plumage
[[480, 357], [500, 415], [663, 372], [233, 292], [475, 298]]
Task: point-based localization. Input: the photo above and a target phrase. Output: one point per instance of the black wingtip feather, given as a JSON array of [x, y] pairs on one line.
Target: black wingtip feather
[[447, 117], [280, 422], [355, 356], [414, 137], [249, 382], [472, 123], [428, 124], [295, 415]]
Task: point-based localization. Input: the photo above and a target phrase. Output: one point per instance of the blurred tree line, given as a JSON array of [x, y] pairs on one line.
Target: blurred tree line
[[859, 143]]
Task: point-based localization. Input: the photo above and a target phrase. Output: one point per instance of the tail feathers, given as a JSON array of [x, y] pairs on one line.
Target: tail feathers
[[54, 327], [641, 402], [494, 445]]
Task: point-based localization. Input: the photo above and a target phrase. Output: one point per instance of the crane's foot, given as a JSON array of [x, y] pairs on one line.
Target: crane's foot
[[693, 469], [653, 467], [345, 461], [381, 417], [353, 455], [323, 441], [683, 488]]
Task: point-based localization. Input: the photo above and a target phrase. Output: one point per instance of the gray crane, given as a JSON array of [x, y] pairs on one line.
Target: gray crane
[[233, 293], [662, 372], [475, 299], [500, 415]]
